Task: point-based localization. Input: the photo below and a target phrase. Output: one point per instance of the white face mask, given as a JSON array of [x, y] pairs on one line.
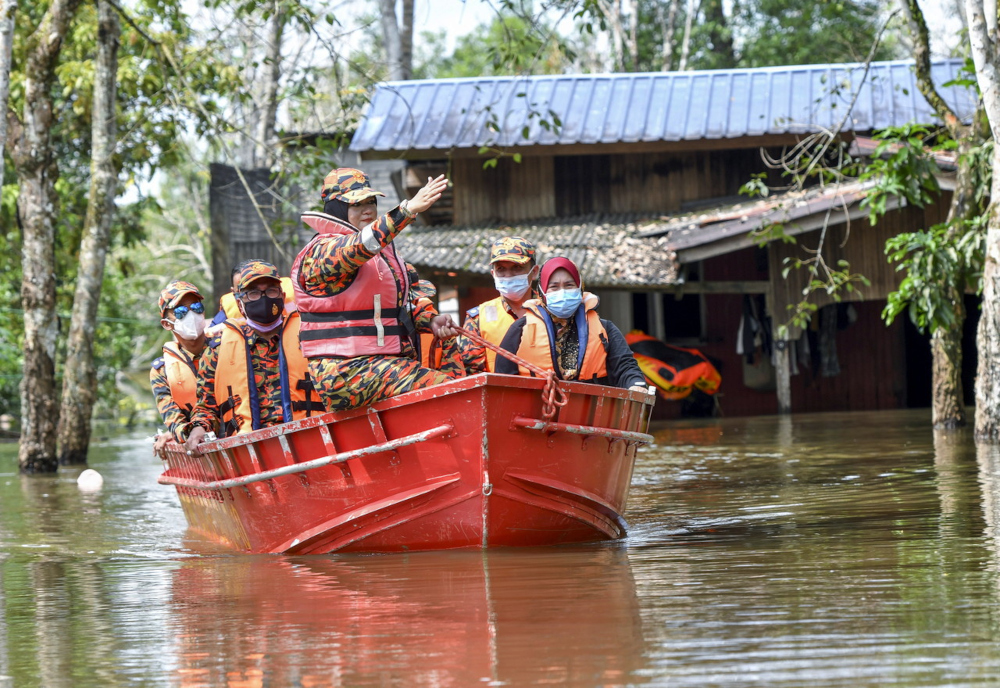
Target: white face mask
[[191, 326]]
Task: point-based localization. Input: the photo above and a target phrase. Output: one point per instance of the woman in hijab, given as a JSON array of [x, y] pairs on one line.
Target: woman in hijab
[[562, 332]]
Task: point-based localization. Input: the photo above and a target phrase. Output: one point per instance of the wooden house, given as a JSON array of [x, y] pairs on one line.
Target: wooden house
[[637, 178]]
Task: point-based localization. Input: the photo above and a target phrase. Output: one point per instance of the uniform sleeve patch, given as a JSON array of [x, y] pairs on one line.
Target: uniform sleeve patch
[[158, 363], [472, 312]]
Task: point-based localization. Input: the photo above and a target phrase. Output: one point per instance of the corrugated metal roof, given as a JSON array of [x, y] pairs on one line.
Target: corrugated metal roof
[[609, 249], [441, 114], [629, 251]]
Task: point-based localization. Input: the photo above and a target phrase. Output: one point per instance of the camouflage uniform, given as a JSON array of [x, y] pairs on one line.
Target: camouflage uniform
[[328, 269], [176, 419]]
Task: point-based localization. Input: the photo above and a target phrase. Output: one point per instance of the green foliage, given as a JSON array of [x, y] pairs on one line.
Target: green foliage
[[788, 32], [512, 44], [757, 186], [901, 167], [930, 259]]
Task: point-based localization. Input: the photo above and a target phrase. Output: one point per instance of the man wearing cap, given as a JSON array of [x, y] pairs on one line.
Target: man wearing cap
[[512, 264], [174, 375], [229, 309], [360, 318], [240, 388]]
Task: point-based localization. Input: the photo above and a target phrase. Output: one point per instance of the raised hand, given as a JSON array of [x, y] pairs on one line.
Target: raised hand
[[428, 195]]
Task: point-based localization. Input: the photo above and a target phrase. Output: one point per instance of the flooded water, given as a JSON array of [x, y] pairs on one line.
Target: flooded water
[[834, 550]]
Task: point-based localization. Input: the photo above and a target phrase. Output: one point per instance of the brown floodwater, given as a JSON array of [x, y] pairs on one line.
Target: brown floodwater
[[825, 550]]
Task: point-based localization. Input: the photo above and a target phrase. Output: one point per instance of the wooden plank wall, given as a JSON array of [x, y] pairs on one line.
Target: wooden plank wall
[[509, 192], [872, 356], [860, 244], [569, 186]]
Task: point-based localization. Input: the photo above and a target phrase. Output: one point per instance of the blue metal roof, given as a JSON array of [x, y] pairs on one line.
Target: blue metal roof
[[662, 106]]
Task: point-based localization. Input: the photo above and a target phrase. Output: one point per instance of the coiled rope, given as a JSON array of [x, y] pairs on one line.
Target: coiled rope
[[553, 395]]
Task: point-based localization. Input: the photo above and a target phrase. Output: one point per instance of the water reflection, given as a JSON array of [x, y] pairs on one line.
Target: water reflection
[[564, 616], [848, 550]]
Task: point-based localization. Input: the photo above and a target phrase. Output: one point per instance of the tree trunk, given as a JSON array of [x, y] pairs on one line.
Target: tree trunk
[[988, 336], [36, 171], [668, 35], [80, 372], [985, 55], [406, 41], [265, 143], [692, 9], [719, 35], [612, 13], [948, 393], [946, 343], [390, 37], [8, 10]]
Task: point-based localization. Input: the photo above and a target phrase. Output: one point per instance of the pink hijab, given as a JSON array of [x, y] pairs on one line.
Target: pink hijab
[[553, 264]]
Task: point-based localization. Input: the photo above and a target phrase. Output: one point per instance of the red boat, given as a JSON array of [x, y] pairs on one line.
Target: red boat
[[468, 464]]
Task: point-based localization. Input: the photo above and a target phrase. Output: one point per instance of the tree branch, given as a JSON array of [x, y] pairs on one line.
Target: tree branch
[[922, 66]]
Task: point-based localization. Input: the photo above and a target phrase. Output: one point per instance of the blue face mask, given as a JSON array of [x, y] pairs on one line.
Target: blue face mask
[[512, 287], [563, 303]]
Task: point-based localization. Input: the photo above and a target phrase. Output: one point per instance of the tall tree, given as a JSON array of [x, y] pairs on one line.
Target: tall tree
[[397, 37], [985, 43], [8, 10], [35, 162], [946, 333], [265, 143], [80, 371]]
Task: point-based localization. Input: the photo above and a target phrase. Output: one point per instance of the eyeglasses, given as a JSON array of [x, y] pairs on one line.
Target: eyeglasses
[[180, 311], [255, 294]]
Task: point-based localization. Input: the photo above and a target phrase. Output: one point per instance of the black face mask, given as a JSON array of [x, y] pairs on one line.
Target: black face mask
[[264, 310]]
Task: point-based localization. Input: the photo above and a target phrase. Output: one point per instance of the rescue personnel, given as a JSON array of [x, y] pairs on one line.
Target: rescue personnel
[[174, 375], [254, 376], [514, 271], [562, 332], [361, 319], [230, 310]]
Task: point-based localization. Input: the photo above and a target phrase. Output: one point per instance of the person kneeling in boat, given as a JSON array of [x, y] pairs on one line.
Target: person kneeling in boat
[[255, 375], [562, 332], [361, 319], [174, 375], [512, 264]]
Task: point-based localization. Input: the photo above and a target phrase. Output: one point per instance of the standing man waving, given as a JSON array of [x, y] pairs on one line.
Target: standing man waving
[[360, 319]]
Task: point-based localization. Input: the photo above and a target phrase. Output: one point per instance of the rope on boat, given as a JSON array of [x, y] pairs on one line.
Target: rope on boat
[[553, 396]]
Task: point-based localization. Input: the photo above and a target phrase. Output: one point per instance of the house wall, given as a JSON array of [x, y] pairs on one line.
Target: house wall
[[872, 356], [567, 186], [861, 244]]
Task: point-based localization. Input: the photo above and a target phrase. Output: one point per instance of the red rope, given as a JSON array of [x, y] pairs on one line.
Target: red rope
[[553, 396]]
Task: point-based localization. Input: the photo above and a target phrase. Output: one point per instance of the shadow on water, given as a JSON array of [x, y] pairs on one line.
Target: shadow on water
[[834, 550]]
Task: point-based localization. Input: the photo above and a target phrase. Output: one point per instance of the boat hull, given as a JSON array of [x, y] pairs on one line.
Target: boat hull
[[466, 464]]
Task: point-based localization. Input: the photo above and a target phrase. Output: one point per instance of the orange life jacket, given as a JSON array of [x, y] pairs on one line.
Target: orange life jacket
[[228, 301], [539, 336], [363, 319], [182, 376], [430, 351], [494, 321], [239, 404]]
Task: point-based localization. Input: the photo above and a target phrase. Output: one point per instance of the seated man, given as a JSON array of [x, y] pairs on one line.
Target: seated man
[[240, 387], [230, 310], [562, 332], [174, 375], [512, 264]]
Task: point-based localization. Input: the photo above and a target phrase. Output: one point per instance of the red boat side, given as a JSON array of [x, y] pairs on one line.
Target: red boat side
[[465, 464]]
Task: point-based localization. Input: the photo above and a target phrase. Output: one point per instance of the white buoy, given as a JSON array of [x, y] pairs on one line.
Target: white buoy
[[90, 480]]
